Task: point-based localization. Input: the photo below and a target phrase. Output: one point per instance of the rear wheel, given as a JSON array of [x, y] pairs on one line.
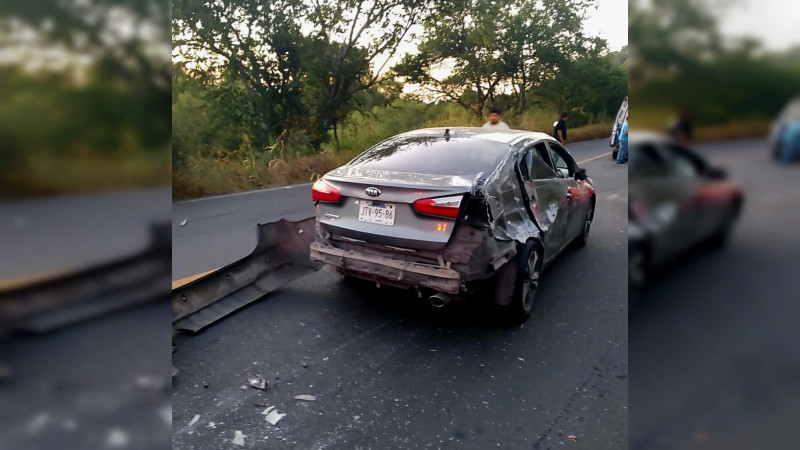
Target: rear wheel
[[638, 268], [583, 238], [526, 284]]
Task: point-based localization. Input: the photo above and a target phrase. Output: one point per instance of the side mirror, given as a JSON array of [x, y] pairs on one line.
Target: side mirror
[[580, 174], [716, 173]]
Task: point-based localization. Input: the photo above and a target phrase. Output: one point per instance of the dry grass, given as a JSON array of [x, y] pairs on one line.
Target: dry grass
[[734, 130], [59, 174]]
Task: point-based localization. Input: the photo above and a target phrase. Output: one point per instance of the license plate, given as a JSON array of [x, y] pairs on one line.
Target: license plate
[[376, 212]]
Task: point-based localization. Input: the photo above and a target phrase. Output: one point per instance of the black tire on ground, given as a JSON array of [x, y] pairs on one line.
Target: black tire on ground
[[583, 238], [776, 151], [638, 270], [721, 237], [526, 283]]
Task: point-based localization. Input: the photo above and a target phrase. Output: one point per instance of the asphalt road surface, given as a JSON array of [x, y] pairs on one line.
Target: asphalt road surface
[[713, 353], [389, 371]]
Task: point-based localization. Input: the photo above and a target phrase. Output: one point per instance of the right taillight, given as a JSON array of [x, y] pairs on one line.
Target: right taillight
[[324, 192], [441, 207]]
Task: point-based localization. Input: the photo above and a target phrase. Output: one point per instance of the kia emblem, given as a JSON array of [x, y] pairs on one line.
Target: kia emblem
[[372, 191]]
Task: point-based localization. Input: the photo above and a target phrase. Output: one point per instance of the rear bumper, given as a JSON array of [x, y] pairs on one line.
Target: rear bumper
[[391, 271]]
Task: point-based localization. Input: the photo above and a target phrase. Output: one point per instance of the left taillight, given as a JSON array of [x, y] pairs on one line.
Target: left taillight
[[441, 207], [324, 192]]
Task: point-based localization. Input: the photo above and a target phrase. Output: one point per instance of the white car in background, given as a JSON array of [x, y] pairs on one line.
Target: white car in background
[[615, 129]]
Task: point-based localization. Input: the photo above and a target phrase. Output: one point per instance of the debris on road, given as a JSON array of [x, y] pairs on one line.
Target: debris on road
[[266, 411], [243, 387], [238, 439], [194, 420], [572, 438], [257, 381], [260, 405], [117, 438], [274, 416], [212, 425], [304, 364], [306, 398], [184, 221]]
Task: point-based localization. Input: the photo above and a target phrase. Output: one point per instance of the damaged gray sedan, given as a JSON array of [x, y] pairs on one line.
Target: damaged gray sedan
[[453, 213]]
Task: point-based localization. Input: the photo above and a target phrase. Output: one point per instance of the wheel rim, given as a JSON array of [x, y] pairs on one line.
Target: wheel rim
[[636, 269], [529, 288], [587, 224]]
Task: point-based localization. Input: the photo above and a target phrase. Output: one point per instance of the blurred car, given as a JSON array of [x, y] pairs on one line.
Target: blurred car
[[677, 202], [453, 212], [617, 127], [785, 135]]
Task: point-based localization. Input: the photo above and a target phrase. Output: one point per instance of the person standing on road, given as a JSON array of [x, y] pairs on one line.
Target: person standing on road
[[495, 121], [681, 130], [622, 156], [560, 128]]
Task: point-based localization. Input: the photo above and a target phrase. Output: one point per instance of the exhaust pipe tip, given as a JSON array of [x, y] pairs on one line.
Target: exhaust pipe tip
[[439, 300]]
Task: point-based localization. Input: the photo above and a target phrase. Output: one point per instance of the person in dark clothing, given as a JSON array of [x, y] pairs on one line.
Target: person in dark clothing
[[681, 129], [560, 129]]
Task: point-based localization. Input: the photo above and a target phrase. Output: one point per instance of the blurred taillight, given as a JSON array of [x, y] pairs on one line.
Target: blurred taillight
[[324, 192], [441, 207]]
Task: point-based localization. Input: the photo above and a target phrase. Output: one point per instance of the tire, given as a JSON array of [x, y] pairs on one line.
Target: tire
[[721, 237], [526, 283], [638, 271], [583, 238], [776, 152]]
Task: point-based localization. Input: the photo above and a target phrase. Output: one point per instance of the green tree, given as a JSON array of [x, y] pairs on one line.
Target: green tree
[[486, 47], [304, 64]]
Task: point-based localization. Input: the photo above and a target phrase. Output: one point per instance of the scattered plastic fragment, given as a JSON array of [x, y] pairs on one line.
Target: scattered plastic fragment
[[257, 381], [260, 405], [274, 417], [243, 387], [238, 439], [307, 398], [520, 359], [194, 419], [212, 425], [117, 438], [183, 222], [266, 411], [304, 364], [38, 422], [572, 437]]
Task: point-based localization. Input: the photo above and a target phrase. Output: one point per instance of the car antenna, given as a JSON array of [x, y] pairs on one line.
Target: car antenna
[[447, 134]]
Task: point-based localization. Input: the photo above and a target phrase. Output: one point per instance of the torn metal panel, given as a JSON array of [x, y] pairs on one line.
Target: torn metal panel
[[66, 300], [281, 256], [510, 219]]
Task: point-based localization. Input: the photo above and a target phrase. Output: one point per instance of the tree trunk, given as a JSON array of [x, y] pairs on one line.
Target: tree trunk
[[336, 136]]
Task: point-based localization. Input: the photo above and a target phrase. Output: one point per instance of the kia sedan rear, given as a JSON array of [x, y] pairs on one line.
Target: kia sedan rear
[[454, 212]]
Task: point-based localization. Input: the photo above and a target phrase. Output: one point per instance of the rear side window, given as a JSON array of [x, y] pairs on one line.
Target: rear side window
[[434, 155], [645, 161]]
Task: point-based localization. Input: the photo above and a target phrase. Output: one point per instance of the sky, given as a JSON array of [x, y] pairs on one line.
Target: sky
[[773, 22], [610, 22]]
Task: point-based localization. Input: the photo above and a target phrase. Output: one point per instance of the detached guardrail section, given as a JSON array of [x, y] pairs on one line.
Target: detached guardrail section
[[281, 256]]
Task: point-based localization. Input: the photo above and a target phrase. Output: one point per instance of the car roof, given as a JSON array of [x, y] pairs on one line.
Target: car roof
[[644, 136], [503, 136]]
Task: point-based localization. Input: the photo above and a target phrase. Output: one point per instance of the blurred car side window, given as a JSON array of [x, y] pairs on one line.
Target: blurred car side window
[[682, 164], [559, 162], [644, 161], [540, 167]]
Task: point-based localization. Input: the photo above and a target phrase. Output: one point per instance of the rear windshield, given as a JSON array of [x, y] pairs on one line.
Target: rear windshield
[[433, 155]]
